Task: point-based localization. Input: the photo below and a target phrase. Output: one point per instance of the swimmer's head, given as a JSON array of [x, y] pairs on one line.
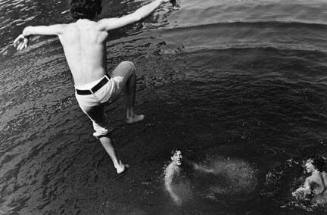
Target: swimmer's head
[[177, 157], [312, 164], [309, 167], [85, 9]]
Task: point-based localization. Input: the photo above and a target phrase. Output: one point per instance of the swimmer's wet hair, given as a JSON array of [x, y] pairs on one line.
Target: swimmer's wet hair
[[85, 9]]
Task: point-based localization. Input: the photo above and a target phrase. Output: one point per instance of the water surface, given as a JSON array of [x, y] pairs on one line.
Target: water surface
[[236, 80]]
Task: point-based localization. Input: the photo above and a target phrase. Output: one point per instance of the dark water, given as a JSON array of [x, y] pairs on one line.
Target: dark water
[[241, 80]]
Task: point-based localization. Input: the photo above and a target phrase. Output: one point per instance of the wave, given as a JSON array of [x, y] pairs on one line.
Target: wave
[[277, 23], [275, 34], [258, 46]]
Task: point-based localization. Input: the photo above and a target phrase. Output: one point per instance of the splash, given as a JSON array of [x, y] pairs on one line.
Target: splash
[[240, 177], [291, 175], [219, 178]]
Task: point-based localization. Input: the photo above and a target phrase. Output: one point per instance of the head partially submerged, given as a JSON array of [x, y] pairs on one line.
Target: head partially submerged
[[85, 9]]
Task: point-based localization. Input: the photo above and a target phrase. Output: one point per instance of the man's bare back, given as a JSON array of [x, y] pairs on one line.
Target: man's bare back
[[84, 47]]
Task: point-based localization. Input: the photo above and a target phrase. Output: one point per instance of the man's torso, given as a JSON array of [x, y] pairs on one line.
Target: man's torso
[[84, 47], [318, 183]]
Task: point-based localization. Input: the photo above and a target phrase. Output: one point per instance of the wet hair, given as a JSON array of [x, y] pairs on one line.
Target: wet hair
[[85, 9], [318, 163]]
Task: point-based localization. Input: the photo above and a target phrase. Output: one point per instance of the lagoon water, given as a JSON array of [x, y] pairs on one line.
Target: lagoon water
[[238, 84]]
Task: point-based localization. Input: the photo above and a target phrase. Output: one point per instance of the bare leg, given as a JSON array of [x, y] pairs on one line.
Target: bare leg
[[106, 143], [125, 72], [96, 114], [130, 89]]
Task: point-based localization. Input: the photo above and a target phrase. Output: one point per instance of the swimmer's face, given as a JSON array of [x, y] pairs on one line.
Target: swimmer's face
[[177, 157], [309, 167]]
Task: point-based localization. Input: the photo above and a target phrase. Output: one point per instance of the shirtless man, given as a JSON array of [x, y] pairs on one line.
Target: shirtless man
[[174, 177], [84, 44], [314, 185]]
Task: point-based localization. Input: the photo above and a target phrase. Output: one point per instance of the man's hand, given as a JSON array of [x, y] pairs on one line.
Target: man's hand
[[21, 42], [300, 193]]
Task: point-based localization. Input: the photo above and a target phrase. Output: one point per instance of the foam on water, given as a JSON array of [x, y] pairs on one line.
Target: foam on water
[[220, 177]]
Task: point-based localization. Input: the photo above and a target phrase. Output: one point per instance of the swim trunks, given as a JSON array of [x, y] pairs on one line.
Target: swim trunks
[[93, 104]]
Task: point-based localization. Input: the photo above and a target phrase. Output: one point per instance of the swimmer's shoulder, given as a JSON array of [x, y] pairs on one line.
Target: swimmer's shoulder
[[324, 175], [311, 179]]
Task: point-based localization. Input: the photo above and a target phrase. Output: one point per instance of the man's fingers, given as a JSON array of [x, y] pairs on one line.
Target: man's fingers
[[23, 46], [21, 42], [25, 43], [20, 46], [17, 40], [16, 43]]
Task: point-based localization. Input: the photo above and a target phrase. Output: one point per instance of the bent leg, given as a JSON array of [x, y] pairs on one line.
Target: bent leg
[[97, 116], [125, 77]]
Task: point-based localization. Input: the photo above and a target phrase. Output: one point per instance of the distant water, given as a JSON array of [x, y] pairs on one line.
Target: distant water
[[242, 80]]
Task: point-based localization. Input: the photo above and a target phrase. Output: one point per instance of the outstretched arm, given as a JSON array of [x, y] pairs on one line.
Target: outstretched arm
[[113, 23], [21, 41]]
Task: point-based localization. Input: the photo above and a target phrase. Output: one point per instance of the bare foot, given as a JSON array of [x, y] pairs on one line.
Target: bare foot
[[134, 119], [121, 168]]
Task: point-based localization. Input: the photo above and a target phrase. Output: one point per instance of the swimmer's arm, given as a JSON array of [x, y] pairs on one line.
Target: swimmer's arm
[[202, 168], [305, 188], [108, 24], [21, 41]]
